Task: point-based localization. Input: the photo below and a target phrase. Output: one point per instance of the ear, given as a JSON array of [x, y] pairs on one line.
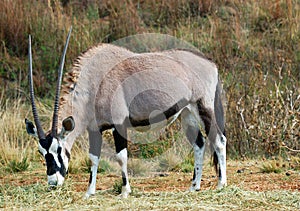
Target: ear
[[31, 130], [68, 125]]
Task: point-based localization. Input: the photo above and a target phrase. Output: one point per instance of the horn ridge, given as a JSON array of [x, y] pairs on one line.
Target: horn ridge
[[58, 87], [37, 122]]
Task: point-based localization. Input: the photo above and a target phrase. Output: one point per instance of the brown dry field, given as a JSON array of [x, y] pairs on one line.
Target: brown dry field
[[243, 174]]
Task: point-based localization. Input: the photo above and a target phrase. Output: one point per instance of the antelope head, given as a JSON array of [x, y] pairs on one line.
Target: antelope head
[[51, 146]]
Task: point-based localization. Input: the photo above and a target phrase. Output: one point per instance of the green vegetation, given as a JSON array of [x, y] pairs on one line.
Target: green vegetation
[[18, 166], [117, 187]]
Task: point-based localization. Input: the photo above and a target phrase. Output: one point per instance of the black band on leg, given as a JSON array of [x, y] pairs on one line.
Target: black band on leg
[[200, 140], [120, 137], [91, 176], [194, 174], [124, 179]]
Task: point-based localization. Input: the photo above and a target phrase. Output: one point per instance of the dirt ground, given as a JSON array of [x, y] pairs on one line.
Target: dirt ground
[[244, 174]]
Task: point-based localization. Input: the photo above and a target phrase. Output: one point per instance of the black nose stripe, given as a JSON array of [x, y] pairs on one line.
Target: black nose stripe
[[52, 167]]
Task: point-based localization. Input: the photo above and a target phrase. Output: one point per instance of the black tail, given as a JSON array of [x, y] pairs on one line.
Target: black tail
[[220, 119]]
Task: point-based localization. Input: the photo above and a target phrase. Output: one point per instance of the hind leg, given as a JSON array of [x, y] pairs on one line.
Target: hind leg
[[195, 137], [219, 146]]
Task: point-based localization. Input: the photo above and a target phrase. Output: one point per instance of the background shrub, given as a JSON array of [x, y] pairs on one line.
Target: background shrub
[[255, 45]]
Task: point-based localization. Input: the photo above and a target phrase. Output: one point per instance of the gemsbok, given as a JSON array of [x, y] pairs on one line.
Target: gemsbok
[[110, 87]]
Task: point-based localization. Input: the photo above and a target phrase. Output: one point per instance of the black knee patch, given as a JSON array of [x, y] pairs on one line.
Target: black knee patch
[[200, 140], [124, 179], [194, 174], [120, 137], [91, 176]]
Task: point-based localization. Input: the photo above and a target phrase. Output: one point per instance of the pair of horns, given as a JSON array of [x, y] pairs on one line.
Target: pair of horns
[[37, 122]]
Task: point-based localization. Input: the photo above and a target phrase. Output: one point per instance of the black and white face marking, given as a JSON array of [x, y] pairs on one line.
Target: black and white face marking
[[57, 159], [53, 150]]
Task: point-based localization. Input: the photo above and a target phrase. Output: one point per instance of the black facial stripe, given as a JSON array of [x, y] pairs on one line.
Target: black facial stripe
[[52, 166], [59, 150], [62, 169], [46, 143]]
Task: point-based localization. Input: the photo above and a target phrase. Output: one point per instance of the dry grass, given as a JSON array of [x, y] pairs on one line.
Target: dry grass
[[14, 143], [246, 191], [231, 198], [256, 47], [28, 190]]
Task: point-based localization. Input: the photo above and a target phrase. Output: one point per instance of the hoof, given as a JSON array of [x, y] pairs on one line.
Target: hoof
[[124, 195], [194, 188], [88, 195], [125, 192], [221, 185]]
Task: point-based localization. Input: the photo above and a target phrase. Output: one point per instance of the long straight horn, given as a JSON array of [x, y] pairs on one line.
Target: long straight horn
[[37, 122], [58, 86]]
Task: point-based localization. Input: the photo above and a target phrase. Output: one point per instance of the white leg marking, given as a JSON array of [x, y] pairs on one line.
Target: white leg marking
[[190, 119], [92, 186], [198, 155], [220, 148], [122, 159]]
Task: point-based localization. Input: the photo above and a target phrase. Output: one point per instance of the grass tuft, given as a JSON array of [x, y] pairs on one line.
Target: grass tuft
[[18, 166], [117, 187], [272, 166]]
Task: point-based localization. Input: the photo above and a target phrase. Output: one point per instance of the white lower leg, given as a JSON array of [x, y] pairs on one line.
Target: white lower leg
[[199, 155], [92, 183], [221, 152], [122, 159]]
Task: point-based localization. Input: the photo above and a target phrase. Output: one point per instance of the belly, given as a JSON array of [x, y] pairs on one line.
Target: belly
[[157, 120]]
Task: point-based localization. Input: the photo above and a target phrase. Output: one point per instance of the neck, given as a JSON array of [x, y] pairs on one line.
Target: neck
[[70, 141], [76, 106]]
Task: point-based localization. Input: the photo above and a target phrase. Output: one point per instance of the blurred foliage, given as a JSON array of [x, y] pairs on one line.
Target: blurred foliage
[[254, 43]]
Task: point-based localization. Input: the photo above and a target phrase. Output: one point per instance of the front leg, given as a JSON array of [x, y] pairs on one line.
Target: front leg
[[95, 141], [120, 137]]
